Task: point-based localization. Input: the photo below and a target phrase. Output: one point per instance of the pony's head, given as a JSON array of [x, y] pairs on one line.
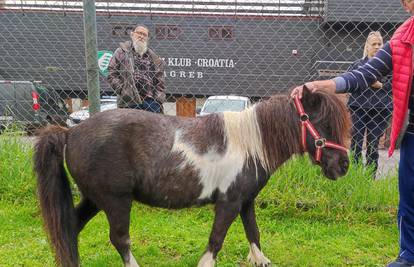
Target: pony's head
[[329, 117]]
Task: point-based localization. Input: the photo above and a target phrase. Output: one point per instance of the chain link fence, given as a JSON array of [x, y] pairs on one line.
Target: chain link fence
[[241, 49]]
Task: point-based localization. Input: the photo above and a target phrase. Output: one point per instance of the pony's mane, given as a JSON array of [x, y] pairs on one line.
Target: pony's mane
[[242, 133], [270, 131], [264, 132], [280, 131]]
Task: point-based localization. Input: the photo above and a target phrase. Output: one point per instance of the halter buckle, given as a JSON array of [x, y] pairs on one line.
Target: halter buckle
[[320, 143], [304, 117]]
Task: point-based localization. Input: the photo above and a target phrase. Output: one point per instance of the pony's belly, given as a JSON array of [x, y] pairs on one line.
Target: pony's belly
[[170, 202], [177, 190]]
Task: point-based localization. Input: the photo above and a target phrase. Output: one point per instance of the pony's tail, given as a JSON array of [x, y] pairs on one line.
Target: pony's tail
[[55, 195]]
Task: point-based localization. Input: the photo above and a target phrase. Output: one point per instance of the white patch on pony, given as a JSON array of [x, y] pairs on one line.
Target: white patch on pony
[[219, 170], [216, 171], [132, 262], [256, 256], [207, 260]]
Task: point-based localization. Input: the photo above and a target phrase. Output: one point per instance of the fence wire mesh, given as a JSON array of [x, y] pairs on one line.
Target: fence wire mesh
[[230, 48]]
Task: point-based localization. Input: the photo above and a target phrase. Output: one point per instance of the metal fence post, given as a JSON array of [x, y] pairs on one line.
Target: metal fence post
[[91, 55]]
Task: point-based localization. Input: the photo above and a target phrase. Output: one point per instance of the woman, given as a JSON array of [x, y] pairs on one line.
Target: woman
[[395, 57], [370, 108]]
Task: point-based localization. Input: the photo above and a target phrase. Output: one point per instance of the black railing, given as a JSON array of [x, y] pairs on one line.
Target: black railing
[[313, 8]]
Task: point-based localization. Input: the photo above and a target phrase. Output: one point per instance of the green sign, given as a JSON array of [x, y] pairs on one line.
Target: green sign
[[104, 56]]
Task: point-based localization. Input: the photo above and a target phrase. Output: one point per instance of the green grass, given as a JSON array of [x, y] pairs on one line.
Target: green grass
[[305, 220]]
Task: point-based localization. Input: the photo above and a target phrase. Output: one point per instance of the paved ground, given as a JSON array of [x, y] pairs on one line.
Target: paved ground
[[387, 166]]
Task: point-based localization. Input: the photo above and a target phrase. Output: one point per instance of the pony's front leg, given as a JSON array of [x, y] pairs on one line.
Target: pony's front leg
[[248, 216], [226, 212]]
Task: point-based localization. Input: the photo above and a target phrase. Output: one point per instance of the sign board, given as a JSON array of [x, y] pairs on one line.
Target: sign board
[[104, 56]]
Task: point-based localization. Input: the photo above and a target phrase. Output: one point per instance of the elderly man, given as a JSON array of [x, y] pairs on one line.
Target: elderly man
[[136, 74]]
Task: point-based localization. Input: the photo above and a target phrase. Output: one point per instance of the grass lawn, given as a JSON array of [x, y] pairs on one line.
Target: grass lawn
[[305, 220]]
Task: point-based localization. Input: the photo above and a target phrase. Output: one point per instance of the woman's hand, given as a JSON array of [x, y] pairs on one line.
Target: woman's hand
[[377, 85], [298, 91], [325, 85]]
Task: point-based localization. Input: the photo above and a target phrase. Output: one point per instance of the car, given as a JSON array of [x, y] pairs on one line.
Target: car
[[30, 105], [220, 103], [77, 117]]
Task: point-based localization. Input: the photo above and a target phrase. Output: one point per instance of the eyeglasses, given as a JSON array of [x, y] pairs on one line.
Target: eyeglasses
[[140, 33]]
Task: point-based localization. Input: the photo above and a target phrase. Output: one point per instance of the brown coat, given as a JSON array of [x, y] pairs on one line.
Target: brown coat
[[121, 76]]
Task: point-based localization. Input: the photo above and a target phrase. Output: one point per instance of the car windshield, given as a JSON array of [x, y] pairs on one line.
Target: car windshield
[[220, 105]]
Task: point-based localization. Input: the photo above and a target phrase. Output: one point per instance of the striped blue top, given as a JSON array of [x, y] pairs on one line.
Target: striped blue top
[[360, 79], [378, 98], [377, 67]]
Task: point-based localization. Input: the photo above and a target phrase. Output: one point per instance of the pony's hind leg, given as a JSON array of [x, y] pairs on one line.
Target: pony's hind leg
[[226, 212], [85, 211], [118, 214], [248, 216]]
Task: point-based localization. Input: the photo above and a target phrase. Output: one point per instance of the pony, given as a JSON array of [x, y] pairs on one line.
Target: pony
[[122, 155]]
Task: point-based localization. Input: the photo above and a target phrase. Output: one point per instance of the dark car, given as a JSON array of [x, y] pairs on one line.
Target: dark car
[[30, 105]]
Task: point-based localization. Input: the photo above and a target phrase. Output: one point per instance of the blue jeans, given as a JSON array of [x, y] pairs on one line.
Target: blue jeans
[[149, 104], [406, 205]]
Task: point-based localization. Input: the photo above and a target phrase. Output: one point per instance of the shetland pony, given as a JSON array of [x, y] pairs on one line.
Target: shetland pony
[[123, 155]]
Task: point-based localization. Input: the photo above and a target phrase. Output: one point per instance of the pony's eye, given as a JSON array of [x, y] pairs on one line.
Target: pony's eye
[[329, 130]]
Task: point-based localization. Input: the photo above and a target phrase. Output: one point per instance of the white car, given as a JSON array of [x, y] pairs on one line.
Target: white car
[[81, 115], [224, 103]]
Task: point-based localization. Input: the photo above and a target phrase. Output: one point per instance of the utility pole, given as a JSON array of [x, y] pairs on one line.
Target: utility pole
[[91, 55]]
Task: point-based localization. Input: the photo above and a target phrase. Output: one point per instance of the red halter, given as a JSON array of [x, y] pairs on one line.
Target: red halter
[[319, 141]]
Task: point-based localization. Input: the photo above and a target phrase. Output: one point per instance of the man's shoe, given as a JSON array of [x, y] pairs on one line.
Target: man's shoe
[[400, 263]]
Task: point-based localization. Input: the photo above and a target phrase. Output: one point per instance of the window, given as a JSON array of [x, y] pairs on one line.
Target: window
[[214, 33], [122, 29], [128, 30], [221, 32], [116, 30], [167, 31]]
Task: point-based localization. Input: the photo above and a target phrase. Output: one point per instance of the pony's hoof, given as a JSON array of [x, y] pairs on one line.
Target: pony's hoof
[[257, 258], [207, 260], [265, 263]]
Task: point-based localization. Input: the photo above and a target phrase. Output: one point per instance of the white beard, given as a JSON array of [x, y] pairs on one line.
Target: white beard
[[140, 47]]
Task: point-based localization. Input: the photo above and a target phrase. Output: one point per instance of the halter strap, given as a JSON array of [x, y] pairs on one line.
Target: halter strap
[[306, 125]]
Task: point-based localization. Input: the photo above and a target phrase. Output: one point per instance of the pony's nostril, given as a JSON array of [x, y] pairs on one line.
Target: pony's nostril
[[344, 164]]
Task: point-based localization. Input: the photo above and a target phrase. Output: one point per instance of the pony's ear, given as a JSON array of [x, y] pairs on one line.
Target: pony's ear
[[306, 91], [310, 99]]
